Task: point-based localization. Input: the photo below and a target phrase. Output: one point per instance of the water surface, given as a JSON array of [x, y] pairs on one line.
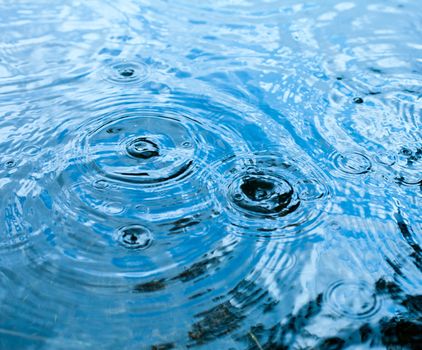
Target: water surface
[[210, 175]]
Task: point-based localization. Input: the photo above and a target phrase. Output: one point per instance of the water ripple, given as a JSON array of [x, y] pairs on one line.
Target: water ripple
[[353, 299], [125, 72], [271, 195], [234, 175]]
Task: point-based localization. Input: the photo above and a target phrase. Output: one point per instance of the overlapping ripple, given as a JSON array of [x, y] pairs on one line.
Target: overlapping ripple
[[141, 206]]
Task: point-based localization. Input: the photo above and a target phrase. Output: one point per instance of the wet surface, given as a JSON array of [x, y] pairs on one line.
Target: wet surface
[[225, 175]]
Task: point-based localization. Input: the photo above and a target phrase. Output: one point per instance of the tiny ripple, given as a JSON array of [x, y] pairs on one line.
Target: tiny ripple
[[352, 299], [353, 163], [386, 158], [125, 72], [100, 184], [10, 163], [384, 124], [31, 150]]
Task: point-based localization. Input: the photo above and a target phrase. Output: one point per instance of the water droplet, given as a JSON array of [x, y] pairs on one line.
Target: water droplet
[[126, 72], [134, 237], [260, 195], [263, 194], [142, 148]]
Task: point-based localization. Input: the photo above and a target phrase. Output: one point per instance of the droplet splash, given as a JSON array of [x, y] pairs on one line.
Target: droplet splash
[[134, 237], [266, 195], [125, 72], [261, 195], [142, 148]]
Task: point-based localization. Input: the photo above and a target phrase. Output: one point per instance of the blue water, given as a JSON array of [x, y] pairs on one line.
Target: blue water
[[228, 174]]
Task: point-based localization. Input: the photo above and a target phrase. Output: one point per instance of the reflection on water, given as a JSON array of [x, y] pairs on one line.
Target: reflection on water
[[228, 174]]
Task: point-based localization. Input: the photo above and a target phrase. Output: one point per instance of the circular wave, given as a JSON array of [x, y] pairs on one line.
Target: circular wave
[[352, 299], [270, 195], [144, 147], [125, 72], [353, 163]]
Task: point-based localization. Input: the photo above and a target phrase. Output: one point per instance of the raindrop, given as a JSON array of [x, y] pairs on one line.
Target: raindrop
[[126, 72], [149, 136], [142, 148], [134, 237], [263, 194]]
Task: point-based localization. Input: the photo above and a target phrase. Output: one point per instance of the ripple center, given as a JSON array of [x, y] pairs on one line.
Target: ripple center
[[142, 148]]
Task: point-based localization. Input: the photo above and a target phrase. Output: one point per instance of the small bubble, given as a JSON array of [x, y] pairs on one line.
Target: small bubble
[[237, 196], [187, 144], [358, 100], [334, 225], [410, 157], [142, 148], [406, 152], [135, 237], [112, 208]]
